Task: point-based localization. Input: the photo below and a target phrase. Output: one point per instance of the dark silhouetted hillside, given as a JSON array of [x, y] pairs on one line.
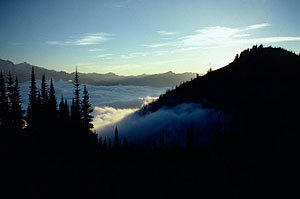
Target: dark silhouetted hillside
[[258, 79], [260, 90]]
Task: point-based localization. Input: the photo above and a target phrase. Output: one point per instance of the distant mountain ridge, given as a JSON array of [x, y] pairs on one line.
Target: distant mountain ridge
[[168, 79]]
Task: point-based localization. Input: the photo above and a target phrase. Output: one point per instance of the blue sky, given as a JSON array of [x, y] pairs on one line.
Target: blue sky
[[131, 37]]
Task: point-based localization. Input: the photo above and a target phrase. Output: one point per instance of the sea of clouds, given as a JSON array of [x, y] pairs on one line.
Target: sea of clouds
[[171, 123], [110, 103], [118, 106]]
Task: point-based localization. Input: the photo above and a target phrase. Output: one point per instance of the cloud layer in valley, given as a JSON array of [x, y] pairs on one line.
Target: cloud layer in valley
[[111, 103], [172, 123]]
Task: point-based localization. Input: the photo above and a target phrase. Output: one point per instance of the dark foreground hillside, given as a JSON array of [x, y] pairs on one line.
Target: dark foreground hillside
[[260, 89], [60, 157]]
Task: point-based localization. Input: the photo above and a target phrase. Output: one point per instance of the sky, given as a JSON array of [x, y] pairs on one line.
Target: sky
[[131, 37]]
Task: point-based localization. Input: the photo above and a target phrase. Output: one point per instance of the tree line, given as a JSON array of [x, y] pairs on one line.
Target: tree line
[[51, 124], [45, 120]]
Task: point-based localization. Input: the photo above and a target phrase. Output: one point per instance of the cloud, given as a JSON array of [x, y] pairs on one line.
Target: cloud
[[166, 33], [157, 45], [172, 122], [108, 115], [87, 39], [269, 40], [132, 96], [220, 36], [241, 35], [258, 26], [104, 55], [147, 100], [209, 36], [95, 49], [134, 55]]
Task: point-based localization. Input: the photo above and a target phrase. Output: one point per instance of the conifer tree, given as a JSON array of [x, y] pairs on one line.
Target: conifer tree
[[104, 144], [52, 102], [76, 112], [16, 108], [67, 109], [109, 144], [62, 109], [32, 105], [116, 138], [10, 89], [44, 92], [39, 101], [44, 101], [87, 118], [72, 110], [10, 93], [3, 102], [100, 144]]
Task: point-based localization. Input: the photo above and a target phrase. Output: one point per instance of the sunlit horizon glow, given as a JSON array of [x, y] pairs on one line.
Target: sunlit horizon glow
[[132, 37]]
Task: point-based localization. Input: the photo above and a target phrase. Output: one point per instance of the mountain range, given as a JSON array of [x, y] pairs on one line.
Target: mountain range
[[23, 71]]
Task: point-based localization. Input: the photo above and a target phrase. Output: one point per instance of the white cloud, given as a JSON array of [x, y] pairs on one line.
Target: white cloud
[[166, 33], [107, 115], [174, 122], [219, 36], [258, 26], [87, 39], [268, 40], [147, 100], [134, 55], [157, 45], [95, 49], [209, 36], [242, 35], [224, 36], [104, 55]]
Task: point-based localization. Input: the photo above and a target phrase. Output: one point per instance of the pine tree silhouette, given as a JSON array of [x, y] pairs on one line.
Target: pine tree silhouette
[[109, 144], [104, 144], [10, 89], [76, 105], [44, 92], [87, 118], [100, 144], [32, 110], [67, 109], [44, 101], [3, 104], [63, 110], [116, 139], [10, 94], [52, 103], [16, 108]]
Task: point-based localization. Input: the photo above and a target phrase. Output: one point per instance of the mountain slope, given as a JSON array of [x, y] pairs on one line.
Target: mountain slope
[[259, 77], [260, 90], [23, 71]]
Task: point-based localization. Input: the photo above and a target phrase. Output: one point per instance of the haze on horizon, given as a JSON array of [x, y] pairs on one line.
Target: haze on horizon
[[131, 37]]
